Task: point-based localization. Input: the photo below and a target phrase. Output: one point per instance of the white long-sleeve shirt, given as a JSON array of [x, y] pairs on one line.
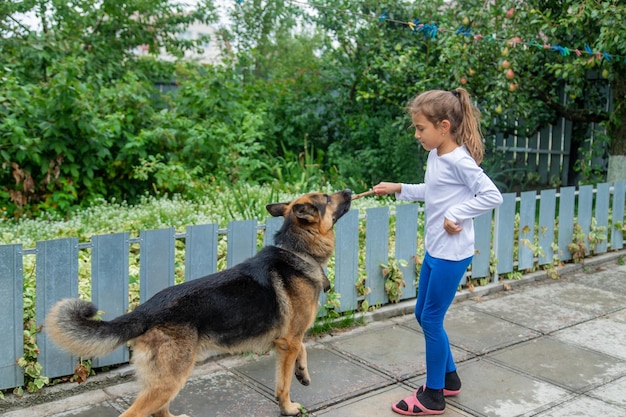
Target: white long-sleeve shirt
[[454, 187]]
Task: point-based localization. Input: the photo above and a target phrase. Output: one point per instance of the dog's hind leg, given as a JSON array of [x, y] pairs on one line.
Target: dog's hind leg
[[163, 357], [165, 412], [302, 370], [287, 350]]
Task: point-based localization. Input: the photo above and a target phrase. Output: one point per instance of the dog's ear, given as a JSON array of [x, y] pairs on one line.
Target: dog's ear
[[305, 211], [277, 209]]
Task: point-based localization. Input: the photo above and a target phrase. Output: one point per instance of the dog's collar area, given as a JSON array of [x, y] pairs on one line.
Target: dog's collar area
[[305, 256]]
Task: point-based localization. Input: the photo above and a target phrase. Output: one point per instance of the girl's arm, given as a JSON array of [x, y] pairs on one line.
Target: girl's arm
[[486, 195]]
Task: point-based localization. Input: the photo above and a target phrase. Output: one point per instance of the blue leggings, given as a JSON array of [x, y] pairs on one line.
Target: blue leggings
[[438, 282]]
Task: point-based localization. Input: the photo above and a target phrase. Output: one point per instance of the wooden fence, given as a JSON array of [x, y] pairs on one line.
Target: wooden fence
[[549, 152], [510, 234]]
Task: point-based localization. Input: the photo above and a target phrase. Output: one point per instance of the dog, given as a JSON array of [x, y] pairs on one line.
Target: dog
[[268, 301]]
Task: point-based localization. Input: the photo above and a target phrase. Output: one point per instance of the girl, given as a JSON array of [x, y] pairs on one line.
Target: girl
[[455, 190]]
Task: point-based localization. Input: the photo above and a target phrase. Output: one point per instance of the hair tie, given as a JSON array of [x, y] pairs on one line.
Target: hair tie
[[455, 93]]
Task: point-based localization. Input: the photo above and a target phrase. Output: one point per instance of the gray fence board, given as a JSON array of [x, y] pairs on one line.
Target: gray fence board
[[505, 232], [200, 250], [603, 195], [617, 237], [527, 211], [566, 221], [585, 210], [11, 311], [156, 270], [544, 154], [109, 284], [272, 225], [376, 252], [57, 278], [347, 259], [406, 245], [531, 159], [482, 245], [546, 232], [241, 241]]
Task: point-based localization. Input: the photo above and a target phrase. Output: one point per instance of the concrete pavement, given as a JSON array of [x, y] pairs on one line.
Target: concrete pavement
[[539, 347]]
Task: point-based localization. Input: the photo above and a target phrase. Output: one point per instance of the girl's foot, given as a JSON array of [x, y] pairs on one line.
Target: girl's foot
[[453, 385], [423, 403]]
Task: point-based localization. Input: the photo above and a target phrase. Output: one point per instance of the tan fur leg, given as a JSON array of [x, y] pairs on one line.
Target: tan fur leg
[[165, 412], [163, 357], [302, 371], [287, 351]]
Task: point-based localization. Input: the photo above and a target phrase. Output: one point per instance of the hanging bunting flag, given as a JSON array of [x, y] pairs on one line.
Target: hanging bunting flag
[[430, 31]]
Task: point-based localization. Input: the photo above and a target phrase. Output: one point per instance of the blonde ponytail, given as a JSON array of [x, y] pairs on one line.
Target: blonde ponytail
[[468, 130]]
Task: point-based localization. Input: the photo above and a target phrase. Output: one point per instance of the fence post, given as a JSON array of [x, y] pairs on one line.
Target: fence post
[[347, 259], [109, 284], [504, 233], [376, 253], [617, 236], [526, 242], [12, 312], [566, 222], [156, 268], [603, 195], [406, 245], [57, 278], [547, 210], [241, 241], [200, 251]]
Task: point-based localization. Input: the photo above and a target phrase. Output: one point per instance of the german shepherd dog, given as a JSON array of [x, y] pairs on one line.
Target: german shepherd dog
[[268, 301]]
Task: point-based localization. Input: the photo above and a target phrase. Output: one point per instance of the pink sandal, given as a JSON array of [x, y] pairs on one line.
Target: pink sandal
[[413, 408]]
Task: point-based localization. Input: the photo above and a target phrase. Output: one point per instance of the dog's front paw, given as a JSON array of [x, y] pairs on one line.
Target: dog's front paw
[[302, 375]]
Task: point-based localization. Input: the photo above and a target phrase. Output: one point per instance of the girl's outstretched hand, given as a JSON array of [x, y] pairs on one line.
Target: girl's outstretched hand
[[385, 188]]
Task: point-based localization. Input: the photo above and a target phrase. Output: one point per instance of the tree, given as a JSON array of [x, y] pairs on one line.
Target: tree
[[531, 60], [73, 92], [599, 26], [103, 33]]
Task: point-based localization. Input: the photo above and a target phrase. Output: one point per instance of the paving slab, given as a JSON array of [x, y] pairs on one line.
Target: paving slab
[[611, 278], [584, 407], [566, 365], [579, 296], [534, 310], [602, 334], [333, 378], [222, 394], [492, 390], [614, 393], [75, 404], [618, 316], [480, 333], [395, 350], [378, 404], [105, 409]]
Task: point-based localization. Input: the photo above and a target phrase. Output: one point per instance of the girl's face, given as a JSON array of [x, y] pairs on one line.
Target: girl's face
[[433, 136]]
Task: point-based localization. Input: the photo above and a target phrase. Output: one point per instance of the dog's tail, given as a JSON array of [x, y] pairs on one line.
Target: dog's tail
[[73, 326]]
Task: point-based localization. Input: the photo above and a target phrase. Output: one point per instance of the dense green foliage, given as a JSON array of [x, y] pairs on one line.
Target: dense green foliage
[[304, 96]]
